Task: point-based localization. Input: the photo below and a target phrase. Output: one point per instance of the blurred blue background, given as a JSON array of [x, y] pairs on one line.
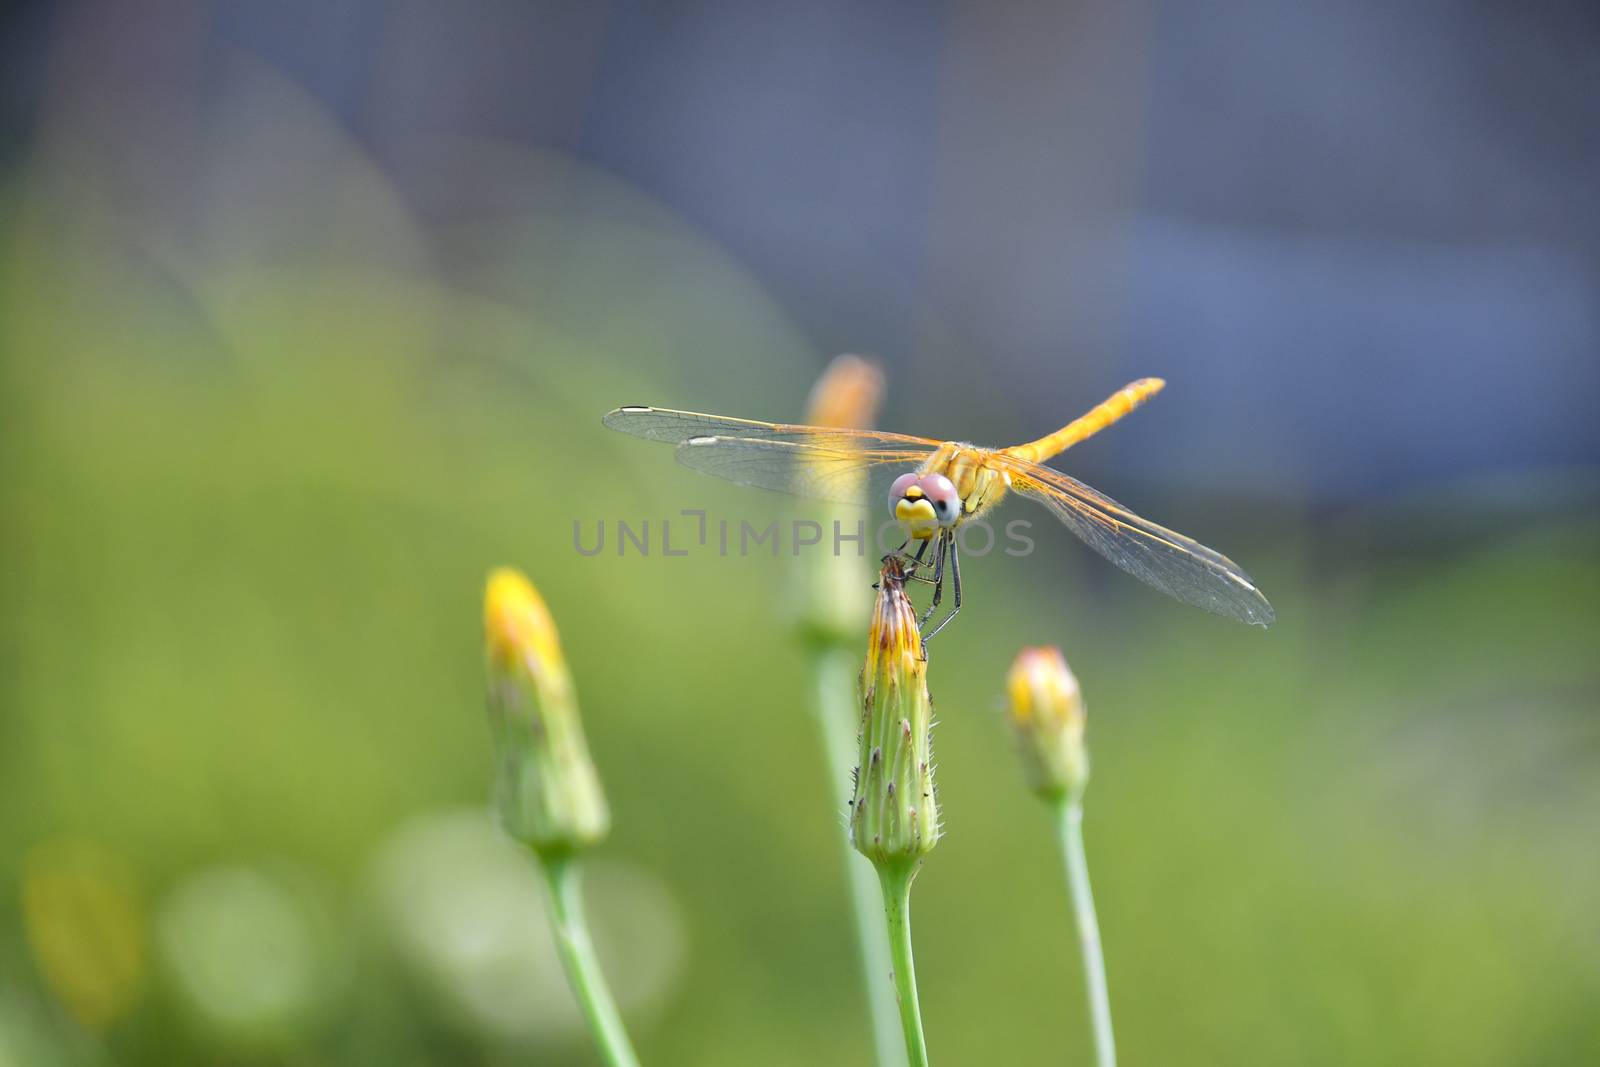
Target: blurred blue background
[[307, 319]]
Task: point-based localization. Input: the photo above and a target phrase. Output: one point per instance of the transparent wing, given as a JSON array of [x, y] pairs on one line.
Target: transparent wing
[[842, 465], [840, 471], [1171, 562], [675, 427]]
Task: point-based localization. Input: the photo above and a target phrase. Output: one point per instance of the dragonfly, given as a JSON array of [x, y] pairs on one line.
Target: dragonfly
[[934, 487]]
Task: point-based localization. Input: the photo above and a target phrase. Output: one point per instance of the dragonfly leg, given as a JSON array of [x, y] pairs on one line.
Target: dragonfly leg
[[911, 574], [938, 579], [955, 581], [912, 562]]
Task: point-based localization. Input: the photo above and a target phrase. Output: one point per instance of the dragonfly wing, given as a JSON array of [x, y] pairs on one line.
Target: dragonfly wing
[[675, 427], [1171, 562], [835, 470]]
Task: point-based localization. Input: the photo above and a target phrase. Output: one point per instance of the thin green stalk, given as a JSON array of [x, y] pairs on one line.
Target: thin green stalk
[[895, 879], [1069, 825], [582, 966], [838, 715]]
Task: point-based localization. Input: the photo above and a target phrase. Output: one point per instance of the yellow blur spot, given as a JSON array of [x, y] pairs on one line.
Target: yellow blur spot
[[86, 928]]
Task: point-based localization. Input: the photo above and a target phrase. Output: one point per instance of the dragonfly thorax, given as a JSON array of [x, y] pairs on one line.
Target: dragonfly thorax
[[977, 482]]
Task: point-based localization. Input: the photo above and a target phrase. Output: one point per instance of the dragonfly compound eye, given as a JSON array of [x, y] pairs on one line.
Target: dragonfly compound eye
[[897, 491], [941, 493]]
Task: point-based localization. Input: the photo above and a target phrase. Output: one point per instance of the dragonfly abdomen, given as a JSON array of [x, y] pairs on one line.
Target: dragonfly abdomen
[[1096, 419]]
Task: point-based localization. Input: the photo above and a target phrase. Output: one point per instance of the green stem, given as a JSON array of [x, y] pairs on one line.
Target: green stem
[[895, 880], [582, 966], [1069, 825], [838, 716]]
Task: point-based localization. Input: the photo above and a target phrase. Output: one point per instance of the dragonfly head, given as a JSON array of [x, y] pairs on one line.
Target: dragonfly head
[[924, 503]]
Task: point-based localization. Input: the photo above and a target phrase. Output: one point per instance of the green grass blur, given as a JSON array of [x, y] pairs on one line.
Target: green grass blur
[[260, 443]]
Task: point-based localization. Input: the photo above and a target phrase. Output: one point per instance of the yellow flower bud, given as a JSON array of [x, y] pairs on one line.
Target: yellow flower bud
[[893, 814], [546, 792], [830, 582], [1048, 716], [847, 395]]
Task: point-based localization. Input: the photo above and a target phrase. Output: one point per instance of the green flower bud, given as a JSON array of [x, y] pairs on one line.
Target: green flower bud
[[546, 790], [893, 815], [1048, 717]]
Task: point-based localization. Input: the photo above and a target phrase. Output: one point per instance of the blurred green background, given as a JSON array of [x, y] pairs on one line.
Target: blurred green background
[[274, 397]]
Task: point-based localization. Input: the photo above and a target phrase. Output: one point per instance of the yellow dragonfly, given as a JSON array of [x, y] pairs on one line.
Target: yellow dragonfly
[[949, 483]]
